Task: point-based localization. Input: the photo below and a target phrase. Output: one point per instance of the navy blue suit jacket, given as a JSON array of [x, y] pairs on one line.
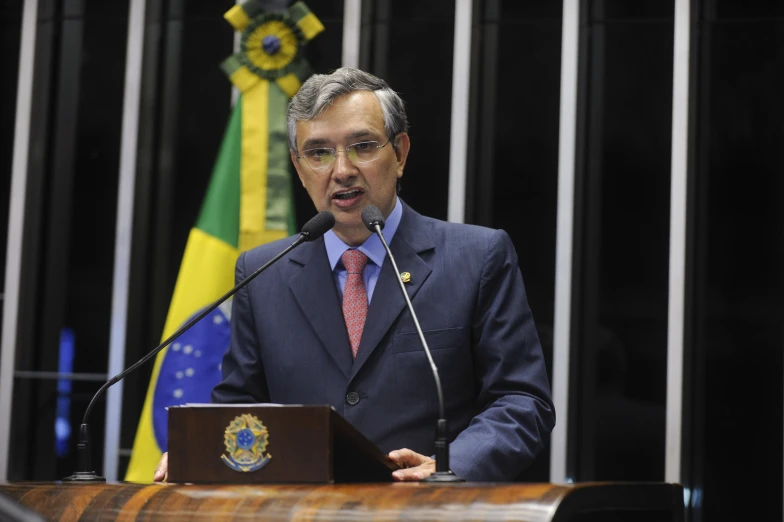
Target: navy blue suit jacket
[[289, 345]]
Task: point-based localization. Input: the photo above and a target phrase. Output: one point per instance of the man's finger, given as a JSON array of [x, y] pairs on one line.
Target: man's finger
[[162, 471], [415, 466], [413, 474], [407, 458]]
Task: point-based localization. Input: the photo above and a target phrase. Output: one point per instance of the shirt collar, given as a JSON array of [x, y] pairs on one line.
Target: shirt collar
[[372, 246]]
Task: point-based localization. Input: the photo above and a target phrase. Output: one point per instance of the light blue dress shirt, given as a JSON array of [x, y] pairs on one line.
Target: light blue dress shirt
[[372, 248]]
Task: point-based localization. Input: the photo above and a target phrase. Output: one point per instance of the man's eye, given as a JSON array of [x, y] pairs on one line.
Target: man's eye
[[364, 146], [319, 153]]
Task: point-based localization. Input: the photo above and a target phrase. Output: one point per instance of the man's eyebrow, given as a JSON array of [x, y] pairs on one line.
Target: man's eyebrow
[[320, 142], [313, 142], [359, 134]]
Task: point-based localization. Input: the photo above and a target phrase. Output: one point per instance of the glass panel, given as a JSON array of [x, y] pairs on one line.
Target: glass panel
[[622, 234], [735, 431], [524, 172], [639, 10], [727, 9], [537, 11]]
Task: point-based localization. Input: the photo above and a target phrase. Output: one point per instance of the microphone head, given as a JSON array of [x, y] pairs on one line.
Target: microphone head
[[318, 226], [372, 216]]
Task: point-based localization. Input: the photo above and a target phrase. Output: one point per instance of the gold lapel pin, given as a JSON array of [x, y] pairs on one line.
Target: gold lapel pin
[[405, 277]]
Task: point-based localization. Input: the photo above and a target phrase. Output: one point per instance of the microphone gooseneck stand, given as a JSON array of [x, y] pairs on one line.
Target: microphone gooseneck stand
[[313, 229], [374, 221]]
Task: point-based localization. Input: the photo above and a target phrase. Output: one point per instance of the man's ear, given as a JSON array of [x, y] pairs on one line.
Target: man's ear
[[402, 146]]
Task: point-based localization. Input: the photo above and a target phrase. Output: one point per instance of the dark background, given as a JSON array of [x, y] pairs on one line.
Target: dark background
[[732, 439]]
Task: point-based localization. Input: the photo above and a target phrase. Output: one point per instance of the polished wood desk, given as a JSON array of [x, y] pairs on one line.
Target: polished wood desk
[[589, 502]]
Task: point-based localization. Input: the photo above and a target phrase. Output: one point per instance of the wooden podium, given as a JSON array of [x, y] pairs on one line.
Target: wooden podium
[[253, 444], [352, 502], [305, 450]]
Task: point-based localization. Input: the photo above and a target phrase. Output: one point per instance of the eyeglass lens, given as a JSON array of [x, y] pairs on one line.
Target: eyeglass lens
[[357, 153]]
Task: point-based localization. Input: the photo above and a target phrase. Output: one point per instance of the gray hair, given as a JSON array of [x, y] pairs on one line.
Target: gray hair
[[320, 90]]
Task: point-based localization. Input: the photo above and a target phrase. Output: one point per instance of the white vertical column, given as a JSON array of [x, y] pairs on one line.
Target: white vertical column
[[677, 284], [564, 236], [16, 204], [123, 232], [458, 143], [352, 24]]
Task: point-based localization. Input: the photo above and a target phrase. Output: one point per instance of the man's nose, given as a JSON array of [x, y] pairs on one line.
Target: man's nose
[[343, 168]]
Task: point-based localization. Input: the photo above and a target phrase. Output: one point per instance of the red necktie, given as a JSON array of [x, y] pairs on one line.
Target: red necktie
[[355, 302]]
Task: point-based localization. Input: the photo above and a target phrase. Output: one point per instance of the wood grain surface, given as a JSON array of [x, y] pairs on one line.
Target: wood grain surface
[[383, 502]]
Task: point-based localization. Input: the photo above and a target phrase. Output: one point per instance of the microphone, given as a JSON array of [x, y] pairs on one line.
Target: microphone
[[312, 230], [374, 221]]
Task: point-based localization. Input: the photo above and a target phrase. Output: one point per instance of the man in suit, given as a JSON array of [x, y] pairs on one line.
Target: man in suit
[[327, 324]]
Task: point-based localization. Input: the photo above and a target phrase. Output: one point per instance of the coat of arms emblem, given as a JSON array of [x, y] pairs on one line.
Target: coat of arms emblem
[[246, 439]]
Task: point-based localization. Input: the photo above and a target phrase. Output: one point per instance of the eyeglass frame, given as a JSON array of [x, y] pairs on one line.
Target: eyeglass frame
[[344, 151]]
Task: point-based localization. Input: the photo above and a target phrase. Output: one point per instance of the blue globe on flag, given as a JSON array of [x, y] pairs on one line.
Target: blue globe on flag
[[191, 368]]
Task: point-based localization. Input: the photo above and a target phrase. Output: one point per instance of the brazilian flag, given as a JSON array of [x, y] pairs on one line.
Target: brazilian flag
[[248, 203]]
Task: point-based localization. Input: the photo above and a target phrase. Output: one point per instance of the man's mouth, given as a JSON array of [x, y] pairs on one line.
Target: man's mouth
[[347, 194]]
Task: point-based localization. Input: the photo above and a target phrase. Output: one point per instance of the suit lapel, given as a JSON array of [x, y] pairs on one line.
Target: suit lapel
[[315, 291], [387, 303]]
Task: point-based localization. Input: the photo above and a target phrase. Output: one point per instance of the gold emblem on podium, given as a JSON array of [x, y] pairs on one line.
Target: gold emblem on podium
[[405, 277], [246, 439]]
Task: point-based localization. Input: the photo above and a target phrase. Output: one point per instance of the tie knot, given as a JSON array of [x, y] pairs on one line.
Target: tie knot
[[354, 261]]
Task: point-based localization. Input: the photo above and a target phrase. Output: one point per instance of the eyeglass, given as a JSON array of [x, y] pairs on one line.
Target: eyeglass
[[358, 153]]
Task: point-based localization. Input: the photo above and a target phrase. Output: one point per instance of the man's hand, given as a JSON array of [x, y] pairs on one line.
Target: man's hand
[[415, 466], [162, 471]]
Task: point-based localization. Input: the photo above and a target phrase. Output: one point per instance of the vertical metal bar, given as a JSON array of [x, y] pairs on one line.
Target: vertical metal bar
[[677, 283], [352, 22], [564, 236], [122, 247], [380, 28], [461, 79], [366, 34], [16, 204], [588, 208], [486, 72], [235, 93]]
